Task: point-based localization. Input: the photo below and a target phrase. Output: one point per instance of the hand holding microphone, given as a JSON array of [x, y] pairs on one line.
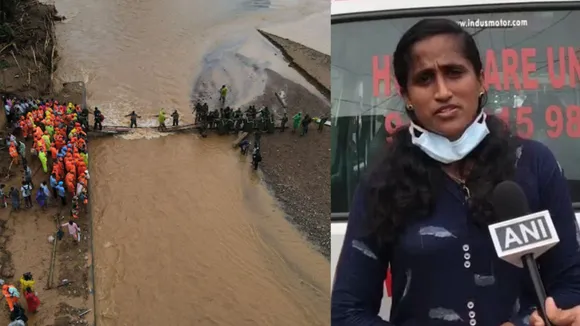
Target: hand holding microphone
[[558, 317], [520, 239]]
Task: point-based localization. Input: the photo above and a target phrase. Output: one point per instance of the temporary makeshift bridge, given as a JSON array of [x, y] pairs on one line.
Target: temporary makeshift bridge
[[119, 130]]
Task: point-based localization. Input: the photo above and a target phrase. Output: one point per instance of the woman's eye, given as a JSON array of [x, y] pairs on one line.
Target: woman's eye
[[455, 73], [424, 79]]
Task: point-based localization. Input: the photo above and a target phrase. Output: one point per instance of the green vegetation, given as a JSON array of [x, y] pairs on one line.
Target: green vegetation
[[7, 10], [4, 64], [7, 15]]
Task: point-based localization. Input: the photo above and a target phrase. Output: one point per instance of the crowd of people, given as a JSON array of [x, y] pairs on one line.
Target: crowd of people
[[57, 136], [227, 120], [300, 124]]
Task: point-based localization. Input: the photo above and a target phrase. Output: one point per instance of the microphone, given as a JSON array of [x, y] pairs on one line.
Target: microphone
[[522, 236]]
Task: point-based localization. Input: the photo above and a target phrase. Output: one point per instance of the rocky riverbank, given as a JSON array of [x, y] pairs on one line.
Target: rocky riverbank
[[297, 168]]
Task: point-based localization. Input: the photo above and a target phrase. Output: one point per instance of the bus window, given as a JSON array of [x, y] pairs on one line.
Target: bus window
[[532, 72]]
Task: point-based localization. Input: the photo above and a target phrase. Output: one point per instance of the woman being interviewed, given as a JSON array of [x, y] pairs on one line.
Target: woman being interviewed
[[424, 209]]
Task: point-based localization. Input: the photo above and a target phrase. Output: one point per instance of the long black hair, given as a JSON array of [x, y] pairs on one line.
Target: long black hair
[[403, 185]]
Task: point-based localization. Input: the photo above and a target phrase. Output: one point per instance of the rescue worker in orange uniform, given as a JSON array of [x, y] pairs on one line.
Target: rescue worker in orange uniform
[[40, 144], [59, 141], [53, 152], [58, 169], [10, 294], [22, 124], [38, 132], [13, 154], [70, 183], [81, 168]]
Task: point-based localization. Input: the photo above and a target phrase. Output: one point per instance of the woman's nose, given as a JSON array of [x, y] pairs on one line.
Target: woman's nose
[[442, 93]]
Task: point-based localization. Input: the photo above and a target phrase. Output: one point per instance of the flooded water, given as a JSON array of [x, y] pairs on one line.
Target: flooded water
[[185, 234], [143, 55], [209, 250]]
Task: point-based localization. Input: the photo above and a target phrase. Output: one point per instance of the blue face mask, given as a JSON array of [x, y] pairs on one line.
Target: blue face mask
[[445, 151]]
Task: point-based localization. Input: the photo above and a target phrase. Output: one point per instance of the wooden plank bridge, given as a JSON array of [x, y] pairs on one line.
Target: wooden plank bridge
[[119, 130]]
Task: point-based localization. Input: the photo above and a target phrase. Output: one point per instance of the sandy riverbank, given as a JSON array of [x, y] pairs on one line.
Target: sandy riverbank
[[27, 61]]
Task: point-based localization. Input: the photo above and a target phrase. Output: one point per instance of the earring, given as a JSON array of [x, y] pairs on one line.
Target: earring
[[409, 107], [481, 94]]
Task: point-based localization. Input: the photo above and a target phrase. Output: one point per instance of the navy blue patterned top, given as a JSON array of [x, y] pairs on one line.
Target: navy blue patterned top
[[445, 270]]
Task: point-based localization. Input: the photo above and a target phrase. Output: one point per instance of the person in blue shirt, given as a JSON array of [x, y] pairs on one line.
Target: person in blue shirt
[[244, 145], [60, 190], [53, 185], [424, 208]]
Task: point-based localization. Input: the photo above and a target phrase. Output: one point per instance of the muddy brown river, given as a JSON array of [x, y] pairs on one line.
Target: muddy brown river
[[184, 233]]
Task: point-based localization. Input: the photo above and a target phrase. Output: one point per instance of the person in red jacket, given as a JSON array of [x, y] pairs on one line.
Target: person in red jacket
[[32, 300]]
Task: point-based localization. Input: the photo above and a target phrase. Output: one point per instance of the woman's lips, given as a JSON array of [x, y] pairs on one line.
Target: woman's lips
[[447, 111]]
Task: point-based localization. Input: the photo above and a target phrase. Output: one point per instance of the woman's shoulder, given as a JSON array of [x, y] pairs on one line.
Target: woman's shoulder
[[534, 151], [536, 156]]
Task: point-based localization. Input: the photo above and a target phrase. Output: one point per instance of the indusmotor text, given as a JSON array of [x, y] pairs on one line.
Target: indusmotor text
[[490, 23]]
